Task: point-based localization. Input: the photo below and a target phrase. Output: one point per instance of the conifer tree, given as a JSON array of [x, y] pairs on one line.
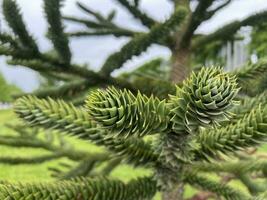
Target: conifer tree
[[197, 124]]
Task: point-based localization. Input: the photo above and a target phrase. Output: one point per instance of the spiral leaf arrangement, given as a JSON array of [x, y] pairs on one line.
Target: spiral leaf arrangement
[[74, 121], [118, 119], [185, 125], [127, 115], [248, 131], [203, 100]]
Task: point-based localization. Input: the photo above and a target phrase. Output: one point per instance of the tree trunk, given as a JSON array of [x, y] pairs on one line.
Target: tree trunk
[[175, 194], [181, 65]]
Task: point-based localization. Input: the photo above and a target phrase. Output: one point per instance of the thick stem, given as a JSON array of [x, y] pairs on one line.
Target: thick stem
[[181, 65], [181, 52], [174, 154], [175, 194]]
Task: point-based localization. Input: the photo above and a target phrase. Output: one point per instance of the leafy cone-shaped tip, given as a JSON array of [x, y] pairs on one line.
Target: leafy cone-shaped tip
[[203, 100], [249, 131], [125, 114]]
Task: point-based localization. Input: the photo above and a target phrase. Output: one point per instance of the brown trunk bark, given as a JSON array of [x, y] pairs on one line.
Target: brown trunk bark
[[181, 65], [175, 194], [180, 54]]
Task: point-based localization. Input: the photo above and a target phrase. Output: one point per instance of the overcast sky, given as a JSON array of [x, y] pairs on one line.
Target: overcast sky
[[94, 50]]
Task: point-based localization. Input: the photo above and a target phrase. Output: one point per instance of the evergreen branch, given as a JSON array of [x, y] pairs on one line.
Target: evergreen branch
[[9, 51], [155, 74], [154, 86], [203, 100], [56, 30], [210, 13], [65, 90], [248, 104], [250, 71], [97, 15], [34, 142], [126, 115], [14, 19], [48, 66], [103, 25], [145, 20], [234, 167], [218, 188], [248, 131], [102, 32], [228, 30], [24, 142], [142, 188], [88, 23], [80, 71], [65, 117], [83, 169], [197, 17], [111, 15], [136, 2], [35, 64], [141, 42], [29, 138], [101, 29], [6, 38], [31, 161], [59, 76], [239, 169]]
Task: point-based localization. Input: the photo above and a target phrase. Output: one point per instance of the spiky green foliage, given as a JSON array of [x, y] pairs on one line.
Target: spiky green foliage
[[235, 167], [115, 118], [247, 104], [56, 147], [230, 29], [127, 115], [101, 25], [142, 41], [203, 100], [23, 51], [215, 187], [56, 33], [156, 74], [133, 9], [14, 19], [8, 39], [184, 128], [249, 131], [250, 71], [76, 121], [143, 188]]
